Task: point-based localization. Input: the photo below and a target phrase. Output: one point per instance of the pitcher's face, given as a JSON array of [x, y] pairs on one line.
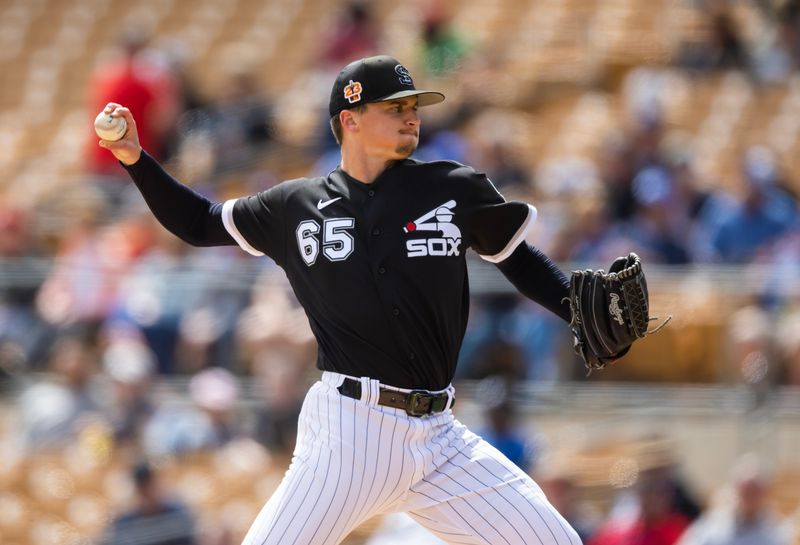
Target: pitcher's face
[[390, 129]]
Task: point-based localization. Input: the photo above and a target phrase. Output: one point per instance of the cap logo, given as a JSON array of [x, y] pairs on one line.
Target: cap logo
[[405, 77], [352, 92]]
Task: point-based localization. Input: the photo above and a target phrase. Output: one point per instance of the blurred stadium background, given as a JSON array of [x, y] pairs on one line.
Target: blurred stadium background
[[668, 127]]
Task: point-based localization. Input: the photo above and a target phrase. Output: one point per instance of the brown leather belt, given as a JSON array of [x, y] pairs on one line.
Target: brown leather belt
[[414, 403]]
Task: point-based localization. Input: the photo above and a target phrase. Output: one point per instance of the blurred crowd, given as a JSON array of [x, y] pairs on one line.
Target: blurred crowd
[[99, 305], [94, 259]]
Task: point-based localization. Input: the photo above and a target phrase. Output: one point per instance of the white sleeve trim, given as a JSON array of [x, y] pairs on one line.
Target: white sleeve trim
[[515, 241], [230, 226]]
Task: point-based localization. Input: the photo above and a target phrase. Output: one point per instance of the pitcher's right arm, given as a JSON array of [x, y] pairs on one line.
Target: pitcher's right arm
[[182, 211]]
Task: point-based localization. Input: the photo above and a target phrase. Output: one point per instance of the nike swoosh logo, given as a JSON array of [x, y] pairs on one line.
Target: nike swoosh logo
[[322, 204]]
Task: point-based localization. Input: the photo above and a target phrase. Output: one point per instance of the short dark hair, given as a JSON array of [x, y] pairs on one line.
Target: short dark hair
[[336, 123]]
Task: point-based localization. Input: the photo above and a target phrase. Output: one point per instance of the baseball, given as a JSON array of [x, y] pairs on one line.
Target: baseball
[[110, 128]]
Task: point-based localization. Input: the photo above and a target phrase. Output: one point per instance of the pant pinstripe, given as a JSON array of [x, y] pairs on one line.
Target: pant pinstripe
[[355, 459]]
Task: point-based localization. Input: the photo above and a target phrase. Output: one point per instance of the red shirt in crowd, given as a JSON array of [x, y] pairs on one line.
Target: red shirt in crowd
[[664, 531], [144, 87]]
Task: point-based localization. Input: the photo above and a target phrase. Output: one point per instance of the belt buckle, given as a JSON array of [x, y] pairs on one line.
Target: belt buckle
[[415, 397]]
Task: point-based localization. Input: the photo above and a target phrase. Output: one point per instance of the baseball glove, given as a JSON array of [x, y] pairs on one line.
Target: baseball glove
[[609, 311]]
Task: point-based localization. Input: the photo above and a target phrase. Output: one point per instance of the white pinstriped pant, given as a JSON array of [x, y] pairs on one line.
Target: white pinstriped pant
[[355, 459]]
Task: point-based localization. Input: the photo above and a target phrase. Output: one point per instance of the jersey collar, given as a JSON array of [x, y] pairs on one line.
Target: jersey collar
[[343, 181]]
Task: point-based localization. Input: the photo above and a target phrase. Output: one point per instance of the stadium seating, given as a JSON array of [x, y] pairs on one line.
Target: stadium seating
[[49, 49]]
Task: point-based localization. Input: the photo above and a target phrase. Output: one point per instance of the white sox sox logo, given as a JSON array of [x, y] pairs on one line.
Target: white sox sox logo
[[438, 220], [405, 77], [614, 309]]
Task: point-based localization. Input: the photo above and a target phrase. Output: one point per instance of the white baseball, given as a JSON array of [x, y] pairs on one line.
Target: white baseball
[[109, 128]]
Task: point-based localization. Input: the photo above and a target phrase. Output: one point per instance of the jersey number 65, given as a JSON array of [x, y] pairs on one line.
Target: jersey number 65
[[337, 243]]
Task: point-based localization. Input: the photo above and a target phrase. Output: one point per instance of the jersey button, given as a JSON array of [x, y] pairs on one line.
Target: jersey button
[[395, 311], [381, 270], [376, 232], [371, 192], [412, 356]]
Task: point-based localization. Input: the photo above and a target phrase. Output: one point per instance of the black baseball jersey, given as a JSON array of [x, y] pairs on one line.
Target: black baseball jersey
[[380, 268]]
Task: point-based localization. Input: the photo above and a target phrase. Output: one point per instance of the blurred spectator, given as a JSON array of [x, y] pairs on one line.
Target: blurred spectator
[[593, 238], [765, 212], [279, 349], [658, 452], [443, 47], [501, 428], [155, 519], [724, 49], [130, 365], [788, 346], [89, 262], [147, 88], [789, 29], [746, 520], [660, 221], [354, 36], [752, 354], [657, 524], [714, 210], [504, 433], [177, 58], [617, 169], [275, 325], [175, 55], [442, 144], [647, 136], [54, 411], [677, 157], [240, 121], [560, 487], [280, 385], [588, 233], [661, 508], [751, 351], [175, 298], [641, 195], [728, 48], [207, 425], [509, 338], [21, 329], [781, 261], [505, 170], [773, 60]]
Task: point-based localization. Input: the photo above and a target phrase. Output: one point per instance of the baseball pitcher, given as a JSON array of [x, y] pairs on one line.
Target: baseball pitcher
[[375, 252]]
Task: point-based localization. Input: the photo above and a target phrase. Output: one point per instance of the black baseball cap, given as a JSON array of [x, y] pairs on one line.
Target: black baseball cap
[[375, 79]]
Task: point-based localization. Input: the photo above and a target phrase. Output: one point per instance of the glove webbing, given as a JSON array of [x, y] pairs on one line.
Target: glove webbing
[[637, 302]]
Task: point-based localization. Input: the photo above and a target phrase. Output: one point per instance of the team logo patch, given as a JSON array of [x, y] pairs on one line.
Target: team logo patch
[[405, 77], [439, 220], [353, 92]]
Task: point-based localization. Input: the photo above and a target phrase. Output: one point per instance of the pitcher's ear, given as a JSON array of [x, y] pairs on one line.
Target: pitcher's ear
[[348, 119]]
